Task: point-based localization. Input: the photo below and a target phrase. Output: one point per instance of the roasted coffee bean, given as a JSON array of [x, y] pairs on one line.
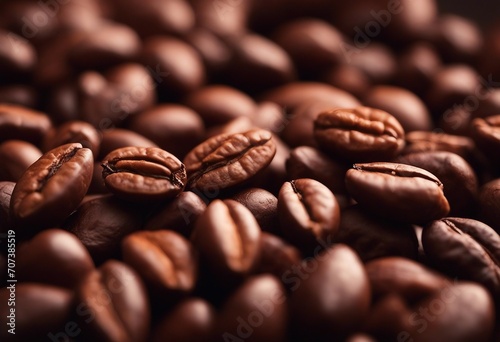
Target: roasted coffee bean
[[458, 177], [218, 104], [227, 160], [486, 134], [41, 312], [349, 78], [403, 277], [53, 257], [405, 106], [174, 128], [308, 213], [324, 305], [270, 116], [21, 95], [164, 259], [489, 204], [260, 305], [143, 173], [422, 141], [181, 68], [249, 71], [73, 132], [227, 236], [295, 94], [113, 139], [213, 51], [276, 256], [6, 189], [16, 60], [310, 54], [372, 237], [113, 304], [178, 215], [397, 191], [16, 156], [102, 223], [263, 205], [51, 188], [191, 320], [308, 162], [465, 313], [359, 134], [465, 248], [21, 123]]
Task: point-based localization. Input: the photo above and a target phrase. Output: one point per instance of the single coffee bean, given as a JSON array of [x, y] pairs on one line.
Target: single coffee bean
[[422, 141], [486, 134], [20, 59], [308, 213], [73, 132], [405, 106], [276, 257], [16, 156], [21, 95], [403, 277], [458, 177], [113, 304], [372, 237], [102, 223], [6, 189], [465, 313], [465, 248], [21, 123], [174, 128], [194, 319], [227, 236], [164, 259], [178, 215], [227, 160], [489, 204], [397, 191], [359, 134], [143, 173], [115, 138], [213, 51], [260, 299], [53, 257], [51, 188], [330, 297], [263, 205], [41, 311], [218, 104], [348, 78]]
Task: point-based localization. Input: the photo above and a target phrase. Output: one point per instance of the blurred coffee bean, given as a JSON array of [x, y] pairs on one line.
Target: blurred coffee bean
[[218, 104], [73, 132], [372, 237], [16, 156], [348, 78], [397, 191], [324, 306], [423, 141], [464, 248], [115, 138], [21, 123], [175, 128], [226, 19], [21, 95], [486, 134], [51, 188], [6, 189], [405, 106], [459, 180], [263, 205], [41, 311], [191, 320], [359, 134], [113, 304], [489, 203], [256, 311], [143, 173], [177, 67], [53, 257], [17, 56], [308, 213]]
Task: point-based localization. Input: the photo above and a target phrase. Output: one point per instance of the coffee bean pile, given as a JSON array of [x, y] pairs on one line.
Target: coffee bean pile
[[248, 171]]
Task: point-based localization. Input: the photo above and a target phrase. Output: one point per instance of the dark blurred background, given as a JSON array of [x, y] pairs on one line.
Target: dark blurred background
[[484, 12]]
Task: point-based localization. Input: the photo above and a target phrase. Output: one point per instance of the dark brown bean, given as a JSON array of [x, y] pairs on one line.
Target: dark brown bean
[[113, 139], [16, 156], [227, 160], [73, 132], [489, 204], [143, 173], [20, 123], [359, 134], [263, 205], [51, 188], [397, 191]]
